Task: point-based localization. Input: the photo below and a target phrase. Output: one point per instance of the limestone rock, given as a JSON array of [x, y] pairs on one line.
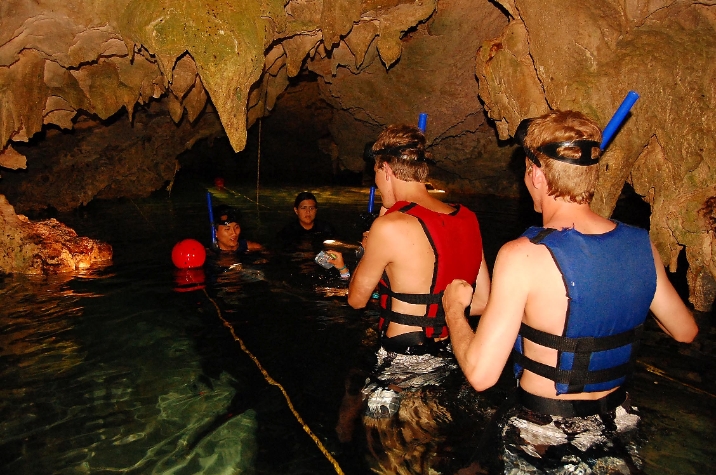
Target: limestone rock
[[45, 247], [567, 55]]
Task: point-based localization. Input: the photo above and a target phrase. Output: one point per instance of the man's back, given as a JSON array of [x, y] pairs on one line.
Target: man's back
[[586, 286], [429, 248]]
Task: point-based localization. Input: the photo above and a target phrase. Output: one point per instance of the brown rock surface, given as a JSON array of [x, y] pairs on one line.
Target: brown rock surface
[[567, 55], [45, 247], [62, 62]]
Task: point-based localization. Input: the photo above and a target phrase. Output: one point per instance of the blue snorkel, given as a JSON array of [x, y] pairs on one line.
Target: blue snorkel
[[211, 219], [616, 121], [371, 199], [422, 122]]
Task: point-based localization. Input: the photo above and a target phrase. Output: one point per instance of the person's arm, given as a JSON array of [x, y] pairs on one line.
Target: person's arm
[[378, 254], [669, 310], [483, 355], [336, 258], [482, 289]]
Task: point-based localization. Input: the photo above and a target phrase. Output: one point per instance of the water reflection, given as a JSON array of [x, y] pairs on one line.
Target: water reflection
[[115, 371]]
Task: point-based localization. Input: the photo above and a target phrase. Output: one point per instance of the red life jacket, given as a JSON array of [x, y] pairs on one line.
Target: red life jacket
[[457, 246]]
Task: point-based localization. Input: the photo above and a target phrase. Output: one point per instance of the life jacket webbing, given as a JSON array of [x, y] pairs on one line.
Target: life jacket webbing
[[433, 321], [413, 320], [582, 344], [574, 377], [418, 299]]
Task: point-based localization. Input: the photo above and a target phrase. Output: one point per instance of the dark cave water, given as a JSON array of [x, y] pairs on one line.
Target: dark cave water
[[114, 370]]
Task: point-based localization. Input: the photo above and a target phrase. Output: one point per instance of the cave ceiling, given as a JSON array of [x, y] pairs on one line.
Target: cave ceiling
[[150, 78]]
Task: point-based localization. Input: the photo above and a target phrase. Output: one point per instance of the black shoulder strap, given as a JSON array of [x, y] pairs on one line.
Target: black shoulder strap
[[407, 207], [541, 235]]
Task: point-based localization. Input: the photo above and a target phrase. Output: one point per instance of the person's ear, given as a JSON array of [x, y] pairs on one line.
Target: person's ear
[[537, 176], [295, 210], [388, 171]]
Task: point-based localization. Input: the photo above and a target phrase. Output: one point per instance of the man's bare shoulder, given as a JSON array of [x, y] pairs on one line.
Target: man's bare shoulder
[[389, 224], [519, 246], [521, 253]]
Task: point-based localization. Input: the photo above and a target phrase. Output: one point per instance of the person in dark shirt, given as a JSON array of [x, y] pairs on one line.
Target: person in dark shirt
[[306, 225], [228, 232]]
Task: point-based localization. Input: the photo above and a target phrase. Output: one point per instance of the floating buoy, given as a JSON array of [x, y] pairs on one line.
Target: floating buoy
[[188, 254], [219, 182]]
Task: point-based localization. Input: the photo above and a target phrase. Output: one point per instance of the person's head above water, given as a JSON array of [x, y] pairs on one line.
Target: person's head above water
[[305, 206], [227, 227], [402, 147], [564, 145]]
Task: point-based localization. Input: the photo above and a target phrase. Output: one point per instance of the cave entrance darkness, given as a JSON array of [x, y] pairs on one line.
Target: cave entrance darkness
[[293, 141]]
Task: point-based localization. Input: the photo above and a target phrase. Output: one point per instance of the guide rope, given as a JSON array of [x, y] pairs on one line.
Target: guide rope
[[236, 193], [258, 165], [273, 382], [662, 373]]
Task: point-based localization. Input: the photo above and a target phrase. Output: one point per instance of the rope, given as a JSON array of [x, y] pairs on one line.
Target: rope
[[659, 372], [273, 382], [258, 165], [236, 193], [142, 215]]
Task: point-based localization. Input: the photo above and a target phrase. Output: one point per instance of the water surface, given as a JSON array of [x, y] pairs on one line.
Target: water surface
[[115, 371]]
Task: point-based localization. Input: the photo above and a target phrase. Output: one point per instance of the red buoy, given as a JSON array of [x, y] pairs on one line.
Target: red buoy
[[188, 254]]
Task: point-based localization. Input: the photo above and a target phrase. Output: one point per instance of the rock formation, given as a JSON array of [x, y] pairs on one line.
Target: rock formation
[[128, 65], [567, 55], [45, 247]]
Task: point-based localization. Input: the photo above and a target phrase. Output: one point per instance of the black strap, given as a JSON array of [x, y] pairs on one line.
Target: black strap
[[407, 207], [414, 343], [414, 320], [541, 235], [575, 378], [418, 299], [582, 344], [572, 407]]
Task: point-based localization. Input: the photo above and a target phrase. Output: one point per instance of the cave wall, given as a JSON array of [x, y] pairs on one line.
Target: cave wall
[[79, 63], [565, 55]]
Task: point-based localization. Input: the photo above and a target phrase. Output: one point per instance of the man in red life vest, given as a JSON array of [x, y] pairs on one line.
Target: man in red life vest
[[413, 250]]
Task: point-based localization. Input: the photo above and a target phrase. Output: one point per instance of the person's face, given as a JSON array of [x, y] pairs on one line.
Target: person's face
[[227, 236], [306, 213]]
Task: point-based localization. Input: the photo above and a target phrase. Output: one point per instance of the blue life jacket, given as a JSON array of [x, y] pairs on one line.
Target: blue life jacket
[[610, 280]]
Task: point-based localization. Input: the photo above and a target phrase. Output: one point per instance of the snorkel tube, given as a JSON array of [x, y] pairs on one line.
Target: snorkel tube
[[371, 199], [616, 121], [211, 219], [422, 122]]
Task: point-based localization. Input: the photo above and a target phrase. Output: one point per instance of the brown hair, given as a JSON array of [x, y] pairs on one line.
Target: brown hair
[[403, 148], [575, 183]]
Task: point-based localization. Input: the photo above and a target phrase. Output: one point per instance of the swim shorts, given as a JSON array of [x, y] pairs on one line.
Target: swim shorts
[[535, 443], [396, 373]]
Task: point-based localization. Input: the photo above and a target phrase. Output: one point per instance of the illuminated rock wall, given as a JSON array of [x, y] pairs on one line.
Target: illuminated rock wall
[[571, 55], [80, 63]]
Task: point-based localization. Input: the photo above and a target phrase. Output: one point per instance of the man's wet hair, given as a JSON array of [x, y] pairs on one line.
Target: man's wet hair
[[232, 215], [403, 148], [565, 145], [302, 196]]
